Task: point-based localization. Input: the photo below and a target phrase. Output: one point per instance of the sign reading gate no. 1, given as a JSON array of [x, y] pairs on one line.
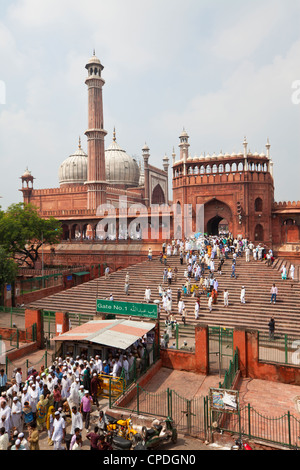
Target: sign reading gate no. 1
[[127, 308]]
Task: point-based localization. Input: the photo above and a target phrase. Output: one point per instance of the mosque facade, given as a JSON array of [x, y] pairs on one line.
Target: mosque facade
[[234, 191], [98, 177]]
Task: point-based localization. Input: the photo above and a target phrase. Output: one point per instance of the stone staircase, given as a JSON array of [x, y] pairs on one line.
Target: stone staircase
[[256, 276]]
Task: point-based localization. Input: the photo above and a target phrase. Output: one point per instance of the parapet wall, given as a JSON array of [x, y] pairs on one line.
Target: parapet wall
[[286, 205]]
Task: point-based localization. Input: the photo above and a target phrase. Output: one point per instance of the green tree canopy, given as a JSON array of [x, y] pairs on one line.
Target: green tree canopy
[[23, 232], [8, 268]]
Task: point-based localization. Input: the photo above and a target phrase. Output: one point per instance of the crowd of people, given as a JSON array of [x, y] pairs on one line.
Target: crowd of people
[[59, 396], [69, 388], [203, 257]]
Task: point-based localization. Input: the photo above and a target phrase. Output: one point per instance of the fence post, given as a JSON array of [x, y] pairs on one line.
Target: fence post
[[109, 394], [169, 399], [249, 420], [289, 427], [205, 412], [138, 398], [134, 370]]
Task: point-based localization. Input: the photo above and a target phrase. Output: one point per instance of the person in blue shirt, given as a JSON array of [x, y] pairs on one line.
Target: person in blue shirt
[[3, 381], [233, 270], [106, 368], [58, 373]]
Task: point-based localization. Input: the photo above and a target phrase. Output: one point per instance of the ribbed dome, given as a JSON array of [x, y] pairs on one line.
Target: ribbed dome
[[74, 169], [120, 168]]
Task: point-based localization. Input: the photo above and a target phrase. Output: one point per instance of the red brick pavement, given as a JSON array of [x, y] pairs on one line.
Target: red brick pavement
[[269, 398]]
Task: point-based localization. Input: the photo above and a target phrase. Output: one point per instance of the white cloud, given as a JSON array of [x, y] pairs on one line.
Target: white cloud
[[242, 37]]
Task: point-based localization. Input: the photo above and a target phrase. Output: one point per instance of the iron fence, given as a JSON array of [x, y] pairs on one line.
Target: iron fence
[[26, 366], [220, 348], [231, 372], [248, 423], [279, 348], [189, 415], [13, 316]]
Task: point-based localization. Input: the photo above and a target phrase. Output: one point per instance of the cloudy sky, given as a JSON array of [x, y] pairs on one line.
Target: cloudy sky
[[223, 70]]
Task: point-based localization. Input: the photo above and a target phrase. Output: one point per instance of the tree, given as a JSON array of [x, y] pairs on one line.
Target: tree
[[23, 232], [8, 269]]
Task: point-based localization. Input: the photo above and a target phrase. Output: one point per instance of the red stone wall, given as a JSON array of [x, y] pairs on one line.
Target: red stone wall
[[22, 352], [32, 317], [265, 371], [116, 255], [229, 190], [61, 322]]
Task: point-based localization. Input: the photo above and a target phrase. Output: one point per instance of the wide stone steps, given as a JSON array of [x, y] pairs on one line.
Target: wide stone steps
[[256, 276]]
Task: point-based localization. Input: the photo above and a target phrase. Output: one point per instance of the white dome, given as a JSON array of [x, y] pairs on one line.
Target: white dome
[[74, 169], [120, 168]]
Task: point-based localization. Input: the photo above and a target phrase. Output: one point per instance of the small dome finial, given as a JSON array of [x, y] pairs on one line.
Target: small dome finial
[[79, 143], [114, 135], [94, 53]]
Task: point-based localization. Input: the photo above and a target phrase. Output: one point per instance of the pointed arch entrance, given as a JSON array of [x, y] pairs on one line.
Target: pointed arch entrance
[[158, 196], [213, 225], [217, 214]]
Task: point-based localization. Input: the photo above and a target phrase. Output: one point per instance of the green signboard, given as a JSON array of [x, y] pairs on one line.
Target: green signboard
[[127, 308]]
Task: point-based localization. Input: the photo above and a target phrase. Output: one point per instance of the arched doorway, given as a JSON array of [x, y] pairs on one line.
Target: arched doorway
[[65, 233], [290, 231], [213, 225], [158, 196], [259, 233], [217, 217]]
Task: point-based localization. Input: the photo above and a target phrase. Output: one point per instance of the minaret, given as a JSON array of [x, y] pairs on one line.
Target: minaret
[[173, 156], [166, 170], [245, 145], [96, 181], [184, 148], [146, 155], [27, 186], [271, 170]]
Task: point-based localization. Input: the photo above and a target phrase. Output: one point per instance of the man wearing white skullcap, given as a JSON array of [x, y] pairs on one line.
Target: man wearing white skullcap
[[16, 414], [17, 445], [23, 440], [5, 416], [59, 431]]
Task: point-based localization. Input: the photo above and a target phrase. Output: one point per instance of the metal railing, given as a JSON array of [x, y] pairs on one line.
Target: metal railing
[[27, 366], [249, 423], [231, 372], [279, 349], [140, 366]]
